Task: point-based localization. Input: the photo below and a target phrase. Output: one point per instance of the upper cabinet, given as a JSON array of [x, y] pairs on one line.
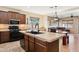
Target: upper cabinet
[[22, 18], [4, 17], [13, 15], [17, 16]]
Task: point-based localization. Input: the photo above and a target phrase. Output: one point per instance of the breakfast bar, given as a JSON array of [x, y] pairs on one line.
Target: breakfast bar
[[43, 42]]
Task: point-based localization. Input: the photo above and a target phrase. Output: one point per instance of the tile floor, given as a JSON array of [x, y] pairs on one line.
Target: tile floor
[[11, 47], [73, 45]]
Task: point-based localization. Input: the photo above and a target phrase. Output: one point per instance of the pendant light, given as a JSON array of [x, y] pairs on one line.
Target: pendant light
[[56, 16]]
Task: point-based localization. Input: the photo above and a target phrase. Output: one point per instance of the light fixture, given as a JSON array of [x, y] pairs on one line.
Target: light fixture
[[56, 16]]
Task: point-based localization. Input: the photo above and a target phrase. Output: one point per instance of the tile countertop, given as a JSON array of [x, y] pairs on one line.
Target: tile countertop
[[45, 36]]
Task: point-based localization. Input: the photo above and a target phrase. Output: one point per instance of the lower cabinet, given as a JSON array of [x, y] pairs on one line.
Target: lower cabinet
[[40, 48], [31, 43], [4, 37], [26, 43], [31, 46]]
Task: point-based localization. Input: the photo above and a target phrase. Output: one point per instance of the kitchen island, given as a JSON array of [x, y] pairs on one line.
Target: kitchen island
[[43, 42]]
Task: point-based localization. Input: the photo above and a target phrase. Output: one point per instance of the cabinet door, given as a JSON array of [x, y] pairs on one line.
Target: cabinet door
[[5, 37], [0, 37], [4, 17], [13, 15], [40, 48], [22, 18], [26, 47], [1, 17], [31, 44]]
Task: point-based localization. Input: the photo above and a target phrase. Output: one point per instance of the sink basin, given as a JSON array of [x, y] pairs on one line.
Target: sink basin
[[32, 32]]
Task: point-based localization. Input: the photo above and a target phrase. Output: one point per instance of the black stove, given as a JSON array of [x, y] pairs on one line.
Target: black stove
[[14, 32]]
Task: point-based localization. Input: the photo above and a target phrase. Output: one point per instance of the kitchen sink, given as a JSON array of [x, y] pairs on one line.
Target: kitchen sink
[[32, 32]]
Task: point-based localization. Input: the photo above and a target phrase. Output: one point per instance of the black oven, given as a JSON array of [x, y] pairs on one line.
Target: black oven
[[15, 34], [14, 31]]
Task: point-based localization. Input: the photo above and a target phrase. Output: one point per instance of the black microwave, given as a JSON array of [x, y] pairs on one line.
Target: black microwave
[[14, 22]]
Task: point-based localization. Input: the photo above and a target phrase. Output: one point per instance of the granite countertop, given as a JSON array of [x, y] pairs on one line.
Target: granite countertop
[[4, 29], [45, 36]]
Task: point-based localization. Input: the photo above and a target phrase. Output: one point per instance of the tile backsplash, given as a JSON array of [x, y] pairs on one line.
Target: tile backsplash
[[23, 26], [6, 26]]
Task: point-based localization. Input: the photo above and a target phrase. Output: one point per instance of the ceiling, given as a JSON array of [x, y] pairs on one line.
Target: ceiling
[[63, 11]]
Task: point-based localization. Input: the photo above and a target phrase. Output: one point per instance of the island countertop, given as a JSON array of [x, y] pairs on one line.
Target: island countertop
[[45, 36]]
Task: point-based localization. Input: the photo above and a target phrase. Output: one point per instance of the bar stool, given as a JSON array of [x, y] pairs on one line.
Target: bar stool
[[65, 38]]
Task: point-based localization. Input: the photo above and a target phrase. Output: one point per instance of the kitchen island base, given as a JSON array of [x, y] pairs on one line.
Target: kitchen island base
[[33, 43]]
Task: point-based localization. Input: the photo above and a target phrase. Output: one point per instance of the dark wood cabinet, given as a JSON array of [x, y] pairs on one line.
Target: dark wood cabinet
[[0, 37], [22, 18], [31, 43], [13, 15], [31, 46], [4, 17], [26, 41], [40, 48], [17, 16], [4, 37]]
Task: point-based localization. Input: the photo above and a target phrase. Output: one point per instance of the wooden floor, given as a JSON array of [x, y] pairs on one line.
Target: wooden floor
[[73, 45]]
